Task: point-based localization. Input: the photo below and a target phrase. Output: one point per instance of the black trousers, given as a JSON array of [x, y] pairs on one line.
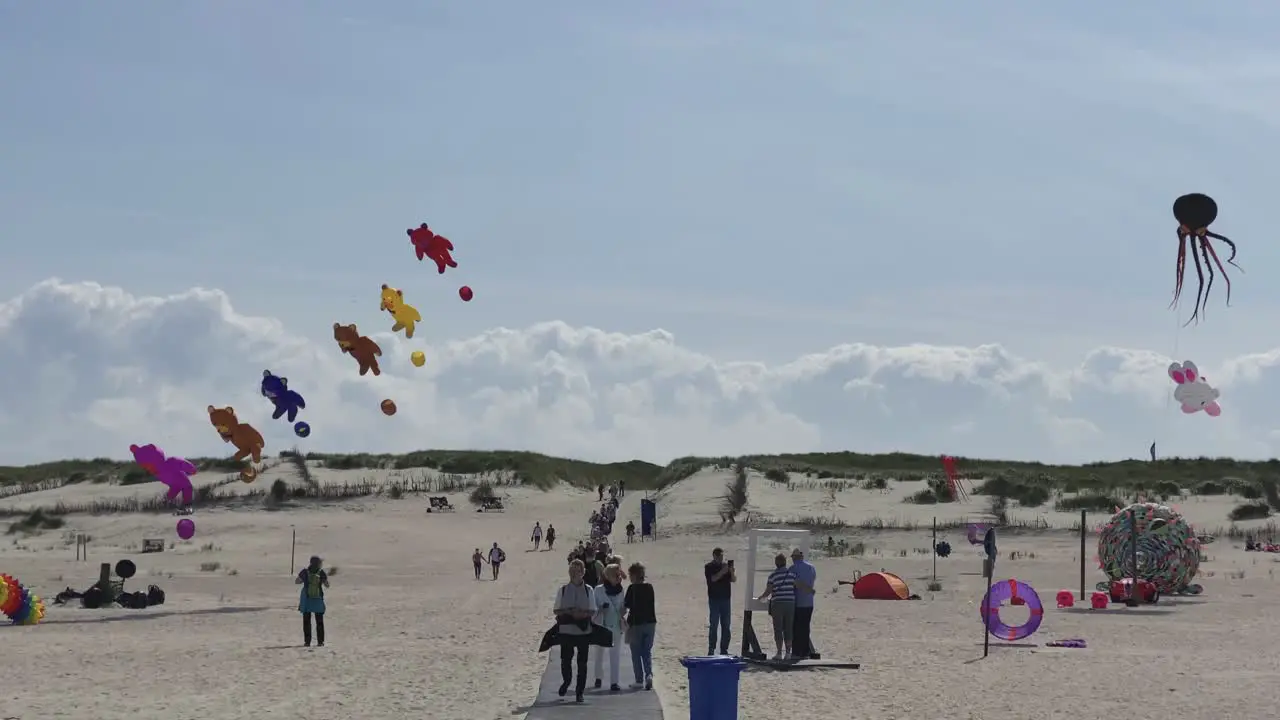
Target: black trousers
[[568, 647], [800, 643], [306, 628]]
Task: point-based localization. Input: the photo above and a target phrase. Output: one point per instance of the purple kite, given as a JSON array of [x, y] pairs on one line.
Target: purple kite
[[174, 472]]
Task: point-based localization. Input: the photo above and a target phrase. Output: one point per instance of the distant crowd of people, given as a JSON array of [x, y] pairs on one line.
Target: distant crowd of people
[[603, 518]]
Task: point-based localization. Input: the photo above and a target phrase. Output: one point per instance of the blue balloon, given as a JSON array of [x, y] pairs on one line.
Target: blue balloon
[[301, 429]]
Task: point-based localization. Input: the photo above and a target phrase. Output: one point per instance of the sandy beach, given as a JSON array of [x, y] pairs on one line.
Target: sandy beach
[[411, 633]]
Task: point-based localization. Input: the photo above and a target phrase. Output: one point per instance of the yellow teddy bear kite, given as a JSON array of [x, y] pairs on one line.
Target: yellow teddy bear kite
[[405, 315]]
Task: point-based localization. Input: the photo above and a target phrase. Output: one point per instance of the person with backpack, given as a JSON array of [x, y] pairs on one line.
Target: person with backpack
[[593, 569], [313, 580]]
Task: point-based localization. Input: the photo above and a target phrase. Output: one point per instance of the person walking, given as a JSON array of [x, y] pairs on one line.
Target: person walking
[[642, 625], [477, 561], [592, 568], [551, 536], [537, 535], [806, 578], [720, 578], [496, 558], [313, 580], [780, 591], [574, 607], [609, 600]]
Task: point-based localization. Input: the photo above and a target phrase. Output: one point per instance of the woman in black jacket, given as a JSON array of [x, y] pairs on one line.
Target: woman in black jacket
[[642, 625]]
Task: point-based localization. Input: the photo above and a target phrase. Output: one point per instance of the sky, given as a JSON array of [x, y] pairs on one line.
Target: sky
[[691, 227]]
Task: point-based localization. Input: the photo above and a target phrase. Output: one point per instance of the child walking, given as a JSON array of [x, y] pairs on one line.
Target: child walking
[[313, 580]]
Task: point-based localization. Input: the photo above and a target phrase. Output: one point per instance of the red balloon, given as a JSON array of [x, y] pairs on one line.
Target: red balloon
[[465, 293]]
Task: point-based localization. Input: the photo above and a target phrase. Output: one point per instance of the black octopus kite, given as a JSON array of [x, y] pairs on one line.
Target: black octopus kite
[[1195, 213]]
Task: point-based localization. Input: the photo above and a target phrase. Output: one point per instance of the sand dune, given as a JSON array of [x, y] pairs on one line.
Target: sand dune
[[412, 635]]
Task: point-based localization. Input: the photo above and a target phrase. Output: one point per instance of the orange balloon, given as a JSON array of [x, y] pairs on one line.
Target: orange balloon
[[388, 407]]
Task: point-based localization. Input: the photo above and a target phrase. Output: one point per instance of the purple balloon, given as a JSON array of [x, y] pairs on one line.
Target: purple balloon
[[186, 528]]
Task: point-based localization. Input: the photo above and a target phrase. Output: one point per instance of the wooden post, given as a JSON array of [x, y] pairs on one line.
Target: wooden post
[[988, 545], [293, 548], [104, 582], [1133, 557], [935, 549], [1083, 516]]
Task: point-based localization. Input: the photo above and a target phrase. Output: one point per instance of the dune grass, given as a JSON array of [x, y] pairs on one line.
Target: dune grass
[[1093, 486]]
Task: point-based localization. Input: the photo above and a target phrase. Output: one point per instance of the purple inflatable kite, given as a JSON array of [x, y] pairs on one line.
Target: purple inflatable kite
[[1017, 593], [174, 472]]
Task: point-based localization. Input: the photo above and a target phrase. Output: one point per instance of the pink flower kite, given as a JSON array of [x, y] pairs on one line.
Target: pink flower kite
[[174, 472]]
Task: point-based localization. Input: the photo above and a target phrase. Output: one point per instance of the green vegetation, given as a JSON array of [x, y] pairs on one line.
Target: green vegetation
[[35, 522], [1093, 486]]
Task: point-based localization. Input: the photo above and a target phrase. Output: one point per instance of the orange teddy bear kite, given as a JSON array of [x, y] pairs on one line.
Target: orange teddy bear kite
[[248, 441], [365, 351]]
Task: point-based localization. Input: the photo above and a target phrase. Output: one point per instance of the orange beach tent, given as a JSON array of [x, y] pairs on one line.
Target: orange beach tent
[[880, 586]]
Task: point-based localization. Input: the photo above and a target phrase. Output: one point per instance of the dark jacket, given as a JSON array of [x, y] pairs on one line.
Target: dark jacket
[[600, 637]]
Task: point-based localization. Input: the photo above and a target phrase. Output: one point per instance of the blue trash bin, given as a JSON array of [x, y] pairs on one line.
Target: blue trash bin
[[713, 687]]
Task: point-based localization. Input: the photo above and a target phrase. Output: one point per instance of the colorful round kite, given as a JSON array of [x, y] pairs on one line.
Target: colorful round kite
[[18, 603], [418, 358], [301, 429], [1167, 550], [465, 293], [186, 528], [388, 407]]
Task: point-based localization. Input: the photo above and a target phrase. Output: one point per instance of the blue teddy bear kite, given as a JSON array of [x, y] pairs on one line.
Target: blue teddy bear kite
[[276, 389]]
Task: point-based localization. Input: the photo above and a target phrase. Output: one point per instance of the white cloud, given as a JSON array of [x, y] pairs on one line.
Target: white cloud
[[87, 370]]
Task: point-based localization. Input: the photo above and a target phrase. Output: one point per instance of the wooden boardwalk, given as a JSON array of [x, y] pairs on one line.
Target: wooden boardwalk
[[599, 704]]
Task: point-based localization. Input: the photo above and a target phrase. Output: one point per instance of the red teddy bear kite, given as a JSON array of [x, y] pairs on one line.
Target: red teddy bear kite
[[429, 244]]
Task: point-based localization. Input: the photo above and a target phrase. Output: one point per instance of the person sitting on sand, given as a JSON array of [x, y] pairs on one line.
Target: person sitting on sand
[[477, 560], [496, 558], [313, 580], [537, 535]]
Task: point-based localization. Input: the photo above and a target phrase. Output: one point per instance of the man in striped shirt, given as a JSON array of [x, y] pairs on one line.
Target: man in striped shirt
[[780, 590]]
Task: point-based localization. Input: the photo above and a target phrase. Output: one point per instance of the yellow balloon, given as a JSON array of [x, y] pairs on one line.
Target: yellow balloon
[[418, 358]]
